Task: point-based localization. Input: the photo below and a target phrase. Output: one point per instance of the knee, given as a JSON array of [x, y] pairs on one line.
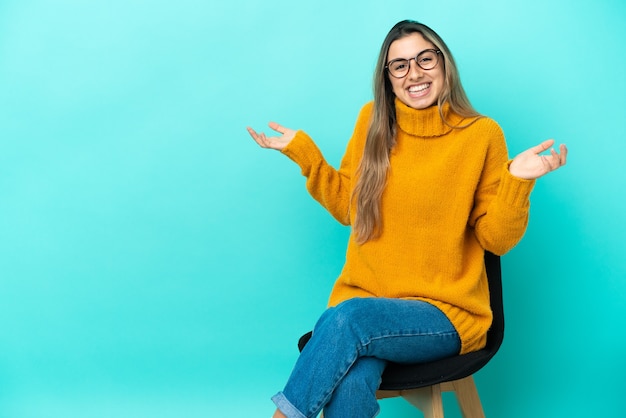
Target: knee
[[343, 316]]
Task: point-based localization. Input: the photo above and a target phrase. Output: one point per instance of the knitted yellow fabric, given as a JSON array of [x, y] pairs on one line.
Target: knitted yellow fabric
[[449, 196]]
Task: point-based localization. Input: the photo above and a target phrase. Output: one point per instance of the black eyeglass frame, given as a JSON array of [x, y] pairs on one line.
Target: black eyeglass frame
[[415, 58]]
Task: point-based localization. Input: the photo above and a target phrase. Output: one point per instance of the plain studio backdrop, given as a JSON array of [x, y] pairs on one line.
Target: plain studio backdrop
[[155, 262]]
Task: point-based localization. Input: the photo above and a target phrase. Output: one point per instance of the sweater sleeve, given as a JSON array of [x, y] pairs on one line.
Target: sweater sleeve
[[502, 201], [330, 187]]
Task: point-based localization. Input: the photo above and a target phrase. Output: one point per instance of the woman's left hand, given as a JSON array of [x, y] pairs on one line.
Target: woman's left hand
[[530, 164]]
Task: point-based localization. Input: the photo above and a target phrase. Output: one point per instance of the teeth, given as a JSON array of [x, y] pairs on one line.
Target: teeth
[[414, 89]]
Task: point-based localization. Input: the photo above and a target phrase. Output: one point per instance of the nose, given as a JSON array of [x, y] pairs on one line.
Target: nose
[[415, 71]]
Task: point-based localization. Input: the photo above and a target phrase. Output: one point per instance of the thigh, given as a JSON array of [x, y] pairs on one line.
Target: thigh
[[397, 330]]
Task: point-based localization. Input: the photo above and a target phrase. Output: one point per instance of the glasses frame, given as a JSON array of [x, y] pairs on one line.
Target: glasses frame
[[415, 58]]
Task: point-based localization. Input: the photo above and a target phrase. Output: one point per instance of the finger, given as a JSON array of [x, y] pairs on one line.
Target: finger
[[538, 149], [252, 132], [260, 139], [263, 140], [563, 156], [556, 159], [277, 127]]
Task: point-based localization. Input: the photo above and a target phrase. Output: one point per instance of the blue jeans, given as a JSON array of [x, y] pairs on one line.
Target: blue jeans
[[340, 368]]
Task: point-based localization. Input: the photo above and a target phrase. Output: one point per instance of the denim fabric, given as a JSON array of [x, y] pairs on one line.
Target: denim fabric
[[340, 367]]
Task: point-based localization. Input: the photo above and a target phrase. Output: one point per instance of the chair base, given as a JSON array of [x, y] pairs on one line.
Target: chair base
[[428, 399]]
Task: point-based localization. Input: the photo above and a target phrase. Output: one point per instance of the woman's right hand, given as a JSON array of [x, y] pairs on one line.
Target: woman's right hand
[[273, 142]]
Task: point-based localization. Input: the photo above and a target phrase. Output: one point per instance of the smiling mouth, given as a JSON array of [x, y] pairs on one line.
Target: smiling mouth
[[419, 88]]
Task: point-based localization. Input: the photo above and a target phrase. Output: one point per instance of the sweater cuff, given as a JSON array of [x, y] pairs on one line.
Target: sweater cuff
[[514, 191], [303, 151]]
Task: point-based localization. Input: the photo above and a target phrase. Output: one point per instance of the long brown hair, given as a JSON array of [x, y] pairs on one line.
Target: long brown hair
[[381, 136]]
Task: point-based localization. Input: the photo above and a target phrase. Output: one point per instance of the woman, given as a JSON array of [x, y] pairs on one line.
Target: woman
[[427, 186]]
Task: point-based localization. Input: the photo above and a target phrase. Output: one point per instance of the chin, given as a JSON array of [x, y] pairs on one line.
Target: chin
[[421, 106]]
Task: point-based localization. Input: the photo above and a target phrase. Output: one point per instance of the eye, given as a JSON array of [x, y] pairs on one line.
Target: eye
[[398, 65], [426, 59]]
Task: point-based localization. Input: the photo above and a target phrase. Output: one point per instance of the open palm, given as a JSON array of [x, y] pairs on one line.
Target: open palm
[[530, 164], [273, 142]]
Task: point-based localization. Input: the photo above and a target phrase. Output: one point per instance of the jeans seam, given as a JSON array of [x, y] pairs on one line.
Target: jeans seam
[[363, 346], [342, 372], [408, 334]]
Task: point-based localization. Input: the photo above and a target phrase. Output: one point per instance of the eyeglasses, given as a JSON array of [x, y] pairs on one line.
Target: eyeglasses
[[426, 60]]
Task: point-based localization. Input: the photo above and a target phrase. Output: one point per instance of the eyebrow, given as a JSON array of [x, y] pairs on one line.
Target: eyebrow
[[401, 58]]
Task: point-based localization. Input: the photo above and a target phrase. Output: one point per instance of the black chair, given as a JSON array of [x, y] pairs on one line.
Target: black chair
[[422, 384]]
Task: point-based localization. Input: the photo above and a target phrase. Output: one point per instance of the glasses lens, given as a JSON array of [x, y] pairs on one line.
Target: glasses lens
[[427, 60], [399, 68]]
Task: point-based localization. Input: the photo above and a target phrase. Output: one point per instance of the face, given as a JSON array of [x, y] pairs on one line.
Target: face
[[420, 88]]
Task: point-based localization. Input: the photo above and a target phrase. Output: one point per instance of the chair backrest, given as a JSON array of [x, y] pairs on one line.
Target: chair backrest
[[495, 336]]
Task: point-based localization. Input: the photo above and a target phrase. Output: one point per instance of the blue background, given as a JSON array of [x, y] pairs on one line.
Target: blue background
[[154, 262]]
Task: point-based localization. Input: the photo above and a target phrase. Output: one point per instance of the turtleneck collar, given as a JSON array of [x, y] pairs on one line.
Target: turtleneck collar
[[425, 123]]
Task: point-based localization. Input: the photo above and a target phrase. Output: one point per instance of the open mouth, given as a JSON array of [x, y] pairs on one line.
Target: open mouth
[[419, 90]]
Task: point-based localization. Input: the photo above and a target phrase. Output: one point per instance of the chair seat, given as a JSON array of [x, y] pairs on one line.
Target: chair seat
[[410, 376], [399, 376]]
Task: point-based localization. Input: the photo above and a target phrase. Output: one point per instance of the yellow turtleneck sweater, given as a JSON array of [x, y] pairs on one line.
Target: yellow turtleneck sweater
[[449, 196]]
